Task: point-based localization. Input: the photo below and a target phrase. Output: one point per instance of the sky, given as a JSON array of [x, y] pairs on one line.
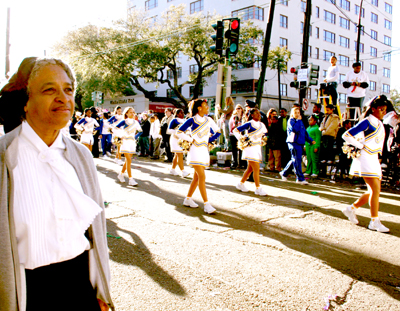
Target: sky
[[37, 25]]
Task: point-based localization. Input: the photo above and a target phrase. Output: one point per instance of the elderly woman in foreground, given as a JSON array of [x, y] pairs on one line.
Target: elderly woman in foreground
[[53, 248]]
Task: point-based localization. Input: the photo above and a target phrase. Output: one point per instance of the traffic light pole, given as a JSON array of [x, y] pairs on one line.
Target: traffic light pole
[[306, 39], [267, 41], [359, 33]]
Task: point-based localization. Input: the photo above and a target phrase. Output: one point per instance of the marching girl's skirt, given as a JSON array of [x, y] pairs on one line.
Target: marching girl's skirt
[[173, 141], [198, 154], [87, 138], [366, 165], [252, 153], [128, 145]]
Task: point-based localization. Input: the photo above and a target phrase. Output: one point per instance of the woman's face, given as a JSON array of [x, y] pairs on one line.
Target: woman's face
[[180, 115], [379, 112], [119, 111], [203, 109], [256, 115], [333, 61], [89, 113], [296, 113], [311, 121], [130, 114]]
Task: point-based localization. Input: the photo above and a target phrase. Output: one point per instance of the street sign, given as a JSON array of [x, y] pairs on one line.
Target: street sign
[[302, 75]]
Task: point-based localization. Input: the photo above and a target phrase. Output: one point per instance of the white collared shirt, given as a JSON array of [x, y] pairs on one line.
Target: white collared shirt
[[47, 224]]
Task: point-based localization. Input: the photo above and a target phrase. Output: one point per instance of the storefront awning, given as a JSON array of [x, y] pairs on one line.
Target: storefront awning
[[160, 107]]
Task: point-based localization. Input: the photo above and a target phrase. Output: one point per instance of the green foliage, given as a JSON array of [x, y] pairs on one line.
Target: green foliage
[[139, 50], [278, 58]]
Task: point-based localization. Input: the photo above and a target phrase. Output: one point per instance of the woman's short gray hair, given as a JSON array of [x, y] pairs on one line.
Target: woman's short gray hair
[[43, 62]]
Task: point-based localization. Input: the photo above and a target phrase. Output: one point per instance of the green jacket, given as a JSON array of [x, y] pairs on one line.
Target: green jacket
[[315, 134]]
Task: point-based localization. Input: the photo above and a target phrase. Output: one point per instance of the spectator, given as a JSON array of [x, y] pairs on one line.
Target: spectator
[[106, 135], [356, 83], [344, 161], [53, 245], [274, 145], [329, 128], [296, 137], [331, 79], [164, 133], [317, 113], [155, 133], [236, 120], [144, 138], [95, 148], [283, 121], [226, 116], [312, 151]]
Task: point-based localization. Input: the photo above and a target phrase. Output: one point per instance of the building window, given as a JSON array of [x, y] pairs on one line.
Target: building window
[[388, 8], [329, 36], [344, 60], [283, 42], [151, 4], [374, 2], [330, 17], [244, 86], [345, 42], [373, 51], [372, 85], [316, 53], [374, 34], [342, 98], [196, 6], [284, 2], [328, 55], [303, 6], [344, 23], [374, 18], [283, 89], [345, 4], [317, 11], [372, 68], [171, 93], [357, 11], [388, 24], [387, 40], [193, 69], [387, 56], [283, 21], [385, 88], [386, 72], [342, 78], [191, 91], [317, 32], [252, 12], [170, 73], [361, 47], [324, 73]]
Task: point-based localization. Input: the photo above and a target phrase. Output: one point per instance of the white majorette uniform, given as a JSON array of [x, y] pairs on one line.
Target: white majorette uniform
[[372, 134], [255, 130], [88, 125], [130, 127], [173, 140], [114, 120], [200, 128]]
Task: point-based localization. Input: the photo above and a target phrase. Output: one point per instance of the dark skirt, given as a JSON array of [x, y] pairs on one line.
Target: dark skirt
[[61, 286]]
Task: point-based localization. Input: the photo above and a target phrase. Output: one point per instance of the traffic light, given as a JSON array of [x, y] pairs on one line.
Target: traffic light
[[218, 38], [232, 34], [313, 74], [102, 98], [295, 84], [94, 96]]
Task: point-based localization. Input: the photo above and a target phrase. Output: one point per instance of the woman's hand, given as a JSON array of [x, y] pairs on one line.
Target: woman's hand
[[103, 305]]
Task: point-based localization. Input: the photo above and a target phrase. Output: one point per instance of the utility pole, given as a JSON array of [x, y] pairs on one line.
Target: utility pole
[[359, 33], [267, 41], [306, 39], [279, 84], [8, 45]]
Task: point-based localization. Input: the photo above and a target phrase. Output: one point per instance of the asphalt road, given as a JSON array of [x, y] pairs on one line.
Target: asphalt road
[[291, 250]]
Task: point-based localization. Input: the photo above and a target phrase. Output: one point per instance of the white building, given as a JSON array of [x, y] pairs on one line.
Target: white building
[[332, 32]]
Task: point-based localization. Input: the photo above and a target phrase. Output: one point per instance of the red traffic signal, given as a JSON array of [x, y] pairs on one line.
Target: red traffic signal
[[294, 70], [233, 36]]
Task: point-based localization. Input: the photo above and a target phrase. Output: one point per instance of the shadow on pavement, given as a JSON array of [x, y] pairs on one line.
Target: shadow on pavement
[[137, 254]]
